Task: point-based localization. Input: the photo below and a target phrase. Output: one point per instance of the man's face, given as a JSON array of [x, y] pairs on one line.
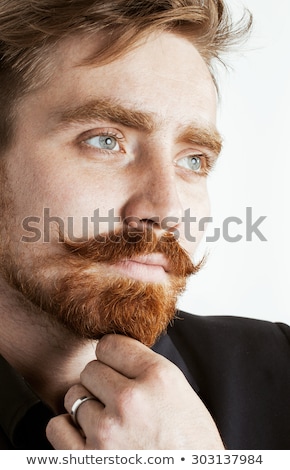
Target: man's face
[[104, 148]]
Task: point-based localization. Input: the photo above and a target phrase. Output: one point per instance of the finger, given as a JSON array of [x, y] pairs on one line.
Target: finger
[[63, 435], [105, 383], [126, 355], [75, 392], [88, 412]]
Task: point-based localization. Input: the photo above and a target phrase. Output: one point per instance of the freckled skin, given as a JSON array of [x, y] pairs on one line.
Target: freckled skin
[[66, 172]]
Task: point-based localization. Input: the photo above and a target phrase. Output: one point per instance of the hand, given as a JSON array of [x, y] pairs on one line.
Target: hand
[[144, 402]]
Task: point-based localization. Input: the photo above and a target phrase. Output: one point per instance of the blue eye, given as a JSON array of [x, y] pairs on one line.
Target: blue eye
[[193, 163], [104, 142]]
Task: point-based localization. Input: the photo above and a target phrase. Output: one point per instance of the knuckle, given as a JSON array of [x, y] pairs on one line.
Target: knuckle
[[131, 397], [89, 370], [113, 342], [105, 433], [105, 430], [51, 426], [55, 426], [105, 344], [163, 372], [73, 393]]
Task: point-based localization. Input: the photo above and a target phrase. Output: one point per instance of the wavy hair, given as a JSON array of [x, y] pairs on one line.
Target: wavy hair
[[30, 31]]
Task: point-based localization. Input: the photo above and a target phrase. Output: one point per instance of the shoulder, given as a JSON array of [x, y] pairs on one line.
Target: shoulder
[[229, 331], [234, 348]]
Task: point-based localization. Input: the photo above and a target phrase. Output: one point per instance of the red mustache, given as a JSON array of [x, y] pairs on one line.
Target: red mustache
[[130, 242]]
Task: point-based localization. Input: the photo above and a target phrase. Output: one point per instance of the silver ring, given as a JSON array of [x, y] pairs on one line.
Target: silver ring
[[75, 408]]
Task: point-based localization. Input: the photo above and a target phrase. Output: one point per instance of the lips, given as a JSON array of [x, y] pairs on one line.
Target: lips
[[152, 259], [152, 267]]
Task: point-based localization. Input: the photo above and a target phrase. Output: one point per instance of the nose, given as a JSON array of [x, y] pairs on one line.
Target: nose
[[155, 198]]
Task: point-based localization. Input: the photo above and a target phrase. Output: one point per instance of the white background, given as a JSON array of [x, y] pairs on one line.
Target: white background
[[251, 279]]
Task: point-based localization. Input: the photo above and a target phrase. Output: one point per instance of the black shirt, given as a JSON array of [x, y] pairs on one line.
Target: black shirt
[[239, 367], [23, 416]]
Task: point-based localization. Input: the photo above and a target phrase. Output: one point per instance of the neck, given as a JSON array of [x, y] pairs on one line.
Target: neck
[[48, 356]]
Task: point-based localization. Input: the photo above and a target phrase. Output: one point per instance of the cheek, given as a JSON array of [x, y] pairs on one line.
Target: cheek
[[88, 205], [82, 213], [196, 211], [78, 202]]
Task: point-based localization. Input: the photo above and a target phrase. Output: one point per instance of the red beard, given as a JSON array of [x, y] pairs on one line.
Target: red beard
[[90, 302]]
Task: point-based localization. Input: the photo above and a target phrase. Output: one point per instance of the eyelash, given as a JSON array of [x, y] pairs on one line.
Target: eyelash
[[207, 165], [102, 133], [208, 162]]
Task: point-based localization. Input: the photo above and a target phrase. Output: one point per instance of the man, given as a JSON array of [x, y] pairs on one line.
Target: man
[[107, 136]]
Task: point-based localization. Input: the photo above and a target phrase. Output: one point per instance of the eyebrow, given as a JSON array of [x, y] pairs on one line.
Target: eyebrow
[[96, 110], [208, 137], [108, 111]]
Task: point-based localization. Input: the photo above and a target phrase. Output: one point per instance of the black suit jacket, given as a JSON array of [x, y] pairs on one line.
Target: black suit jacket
[[241, 370], [239, 367]]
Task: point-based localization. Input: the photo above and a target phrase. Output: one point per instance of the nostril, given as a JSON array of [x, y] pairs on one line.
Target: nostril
[[169, 223], [137, 223]]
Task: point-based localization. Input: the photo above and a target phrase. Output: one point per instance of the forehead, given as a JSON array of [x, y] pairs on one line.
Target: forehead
[[164, 74], [163, 77]]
